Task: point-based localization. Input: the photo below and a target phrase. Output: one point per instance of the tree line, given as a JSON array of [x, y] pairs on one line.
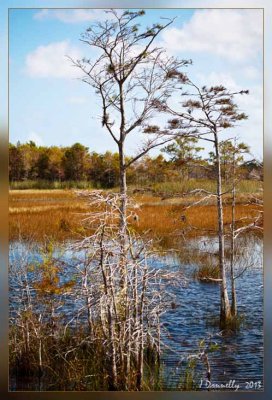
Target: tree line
[[179, 160]]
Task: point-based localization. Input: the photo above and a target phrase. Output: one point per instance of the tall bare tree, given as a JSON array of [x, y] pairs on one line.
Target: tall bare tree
[[130, 75], [205, 113]]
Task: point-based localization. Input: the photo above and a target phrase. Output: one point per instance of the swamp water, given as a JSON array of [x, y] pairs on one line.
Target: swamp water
[[191, 318]]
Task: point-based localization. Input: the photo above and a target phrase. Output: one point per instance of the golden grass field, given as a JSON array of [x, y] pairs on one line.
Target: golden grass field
[[57, 215]]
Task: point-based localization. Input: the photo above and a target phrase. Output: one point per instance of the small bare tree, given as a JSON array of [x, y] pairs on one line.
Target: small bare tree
[[236, 154], [233, 156], [129, 323], [206, 112]]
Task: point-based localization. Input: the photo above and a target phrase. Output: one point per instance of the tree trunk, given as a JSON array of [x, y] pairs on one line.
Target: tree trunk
[[122, 172], [113, 381], [88, 300], [224, 303], [233, 289], [128, 351], [123, 191], [123, 213], [140, 361]]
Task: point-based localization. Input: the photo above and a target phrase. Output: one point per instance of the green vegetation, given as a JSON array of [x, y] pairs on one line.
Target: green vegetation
[[40, 167], [168, 187], [45, 184], [243, 186], [70, 360]]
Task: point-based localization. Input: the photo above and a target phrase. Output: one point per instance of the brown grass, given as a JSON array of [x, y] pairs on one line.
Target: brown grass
[[167, 219], [207, 271], [57, 214]]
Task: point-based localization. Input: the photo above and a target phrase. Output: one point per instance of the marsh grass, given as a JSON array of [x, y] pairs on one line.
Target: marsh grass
[[188, 382], [52, 185], [167, 219], [72, 363], [243, 186], [231, 326], [235, 323], [207, 271], [58, 214], [168, 187]]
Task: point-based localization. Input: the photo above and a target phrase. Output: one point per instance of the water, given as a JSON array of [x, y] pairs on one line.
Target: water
[[238, 356]]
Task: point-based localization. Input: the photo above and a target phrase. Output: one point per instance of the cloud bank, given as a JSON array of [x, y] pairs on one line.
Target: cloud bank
[[233, 34], [51, 61], [71, 16]]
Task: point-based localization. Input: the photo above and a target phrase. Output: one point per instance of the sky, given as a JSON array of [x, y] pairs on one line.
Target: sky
[[51, 106]]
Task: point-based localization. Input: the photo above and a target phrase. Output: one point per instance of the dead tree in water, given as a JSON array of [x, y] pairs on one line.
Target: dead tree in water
[[253, 223], [234, 156], [206, 112], [129, 323], [130, 76]]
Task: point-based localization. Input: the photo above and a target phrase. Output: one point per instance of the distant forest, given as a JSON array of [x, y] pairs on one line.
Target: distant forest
[[179, 160]]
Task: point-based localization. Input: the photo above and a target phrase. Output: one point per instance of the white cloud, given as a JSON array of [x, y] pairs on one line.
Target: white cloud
[[233, 34], [253, 100], [71, 16], [217, 78], [249, 131], [50, 61], [35, 138]]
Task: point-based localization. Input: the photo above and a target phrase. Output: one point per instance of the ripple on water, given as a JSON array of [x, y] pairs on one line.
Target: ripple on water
[[239, 356]]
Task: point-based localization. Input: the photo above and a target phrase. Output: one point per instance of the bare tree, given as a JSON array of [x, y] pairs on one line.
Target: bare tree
[[233, 156], [206, 112], [128, 322], [235, 151], [130, 76]]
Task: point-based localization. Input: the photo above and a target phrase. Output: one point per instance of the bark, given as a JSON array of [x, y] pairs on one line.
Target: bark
[[113, 376], [123, 191], [113, 383], [233, 289], [140, 361], [208, 366], [159, 340], [128, 352], [224, 299], [123, 256], [87, 299], [135, 327], [40, 373]]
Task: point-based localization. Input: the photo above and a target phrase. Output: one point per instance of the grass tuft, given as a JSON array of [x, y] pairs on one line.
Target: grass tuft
[[208, 271]]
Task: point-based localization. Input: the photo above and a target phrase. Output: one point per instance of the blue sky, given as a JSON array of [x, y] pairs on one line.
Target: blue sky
[[49, 105]]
